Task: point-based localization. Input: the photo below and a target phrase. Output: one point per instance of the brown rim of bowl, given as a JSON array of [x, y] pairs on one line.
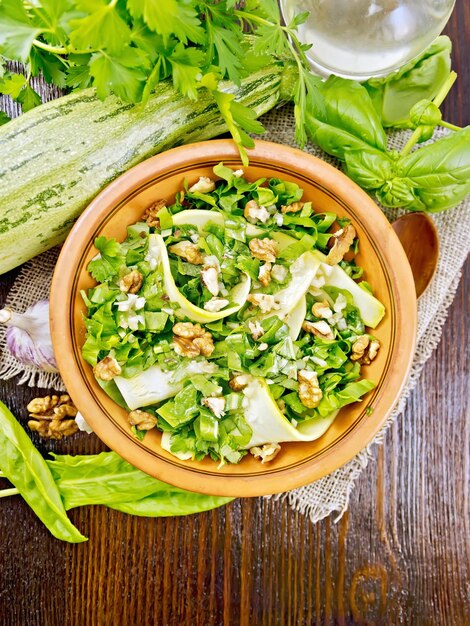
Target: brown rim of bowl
[[392, 257]]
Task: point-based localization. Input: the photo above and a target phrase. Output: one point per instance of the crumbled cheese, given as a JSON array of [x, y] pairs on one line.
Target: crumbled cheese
[[265, 302], [341, 324], [210, 279], [215, 304], [264, 274], [133, 302], [256, 329], [211, 261], [255, 213], [203, 185], [263, 346], [134, 321], [279, 273], [279, 219], [238, 173], [216, 405], [152, 261]]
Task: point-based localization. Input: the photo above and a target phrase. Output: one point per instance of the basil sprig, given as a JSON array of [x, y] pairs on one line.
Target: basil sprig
[[345, 123]]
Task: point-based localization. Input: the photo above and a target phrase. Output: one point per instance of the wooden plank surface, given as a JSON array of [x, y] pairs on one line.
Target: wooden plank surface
[[401, 554]]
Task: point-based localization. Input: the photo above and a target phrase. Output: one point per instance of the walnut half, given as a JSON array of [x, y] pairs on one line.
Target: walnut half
[[132, 282], [142, 420], [107, 369], [49, 416], [266, 453], [364, 350], [151, 213], [191, 340], [343, 240], [264, 249], [310, 393]]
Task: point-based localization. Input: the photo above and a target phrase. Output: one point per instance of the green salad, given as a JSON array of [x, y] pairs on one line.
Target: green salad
[[231, 319]]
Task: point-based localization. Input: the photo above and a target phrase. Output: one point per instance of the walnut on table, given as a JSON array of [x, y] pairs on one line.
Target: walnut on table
[[50, 416]]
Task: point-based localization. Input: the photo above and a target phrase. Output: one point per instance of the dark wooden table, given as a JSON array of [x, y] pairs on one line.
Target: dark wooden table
[[401, 554]]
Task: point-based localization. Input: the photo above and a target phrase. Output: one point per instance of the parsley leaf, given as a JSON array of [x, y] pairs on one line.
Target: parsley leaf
[[12, 84], [17, 32], [101, 29], [169, 17], [186, 69], [120, 74], [28, 98], [109, 261]]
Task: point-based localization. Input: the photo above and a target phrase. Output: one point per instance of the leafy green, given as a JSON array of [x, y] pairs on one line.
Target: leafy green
[[337, 399], [433, 178], [109, 260], [126, 48], [23, 465], [422, 78], [197, 408], [170, 503]]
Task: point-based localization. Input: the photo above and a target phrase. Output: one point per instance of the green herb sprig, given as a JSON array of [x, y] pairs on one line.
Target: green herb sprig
[[126, 47]]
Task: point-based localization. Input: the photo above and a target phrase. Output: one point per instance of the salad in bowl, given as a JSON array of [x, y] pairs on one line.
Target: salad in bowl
[[232, 318]]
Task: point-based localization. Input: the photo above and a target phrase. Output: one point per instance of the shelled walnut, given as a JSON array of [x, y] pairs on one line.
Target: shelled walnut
[[191, 340], [52, 417], [151, 213]]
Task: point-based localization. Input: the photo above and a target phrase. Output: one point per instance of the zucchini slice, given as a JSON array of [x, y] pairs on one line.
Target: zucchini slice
[[270, 425], [238, 294]]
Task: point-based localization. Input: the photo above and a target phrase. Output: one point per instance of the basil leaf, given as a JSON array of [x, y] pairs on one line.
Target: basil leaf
[[368, 167], [443, 163], [346, 104], [394, 95]]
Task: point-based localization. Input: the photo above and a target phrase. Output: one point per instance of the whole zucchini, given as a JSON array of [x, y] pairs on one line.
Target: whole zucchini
[[57, 157]]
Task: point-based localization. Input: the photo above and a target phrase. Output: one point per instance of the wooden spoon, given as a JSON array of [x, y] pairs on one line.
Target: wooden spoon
[[418, 236]]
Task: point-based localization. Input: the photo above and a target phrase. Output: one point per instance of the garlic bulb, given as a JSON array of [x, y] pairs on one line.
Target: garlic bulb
[[28, 336]]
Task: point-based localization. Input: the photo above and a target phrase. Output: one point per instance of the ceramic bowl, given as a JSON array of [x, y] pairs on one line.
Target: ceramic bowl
[[381, 255]]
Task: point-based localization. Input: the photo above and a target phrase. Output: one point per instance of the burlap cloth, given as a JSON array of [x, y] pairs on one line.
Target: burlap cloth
[[331, 493]]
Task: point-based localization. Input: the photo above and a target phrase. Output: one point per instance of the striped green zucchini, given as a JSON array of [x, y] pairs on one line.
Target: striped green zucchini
[[57, 157]]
